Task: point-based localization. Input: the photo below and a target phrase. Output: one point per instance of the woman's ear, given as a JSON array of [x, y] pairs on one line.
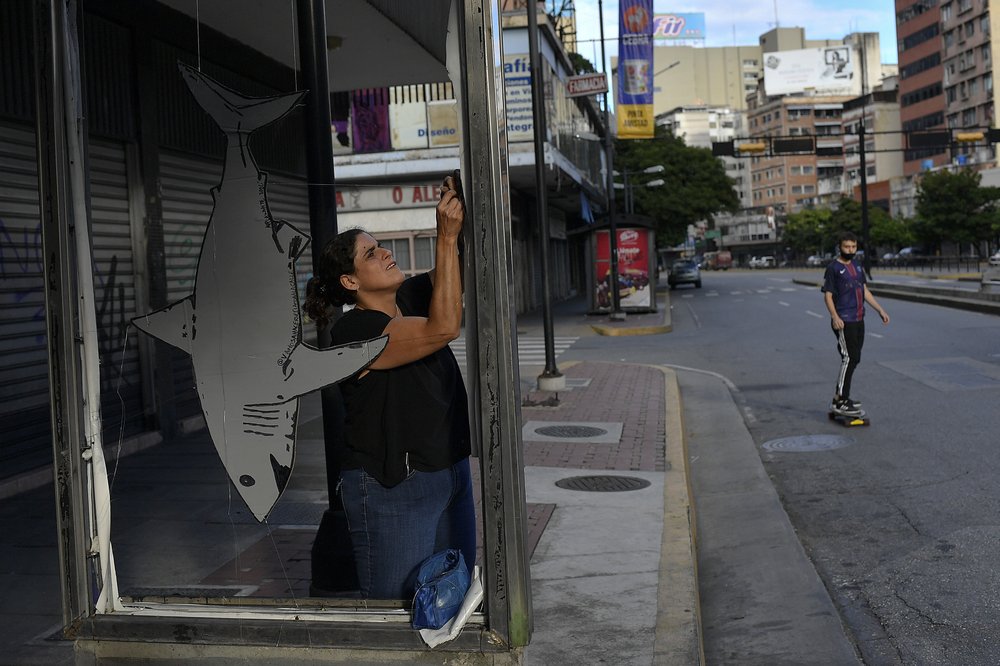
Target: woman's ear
[[348, 282]]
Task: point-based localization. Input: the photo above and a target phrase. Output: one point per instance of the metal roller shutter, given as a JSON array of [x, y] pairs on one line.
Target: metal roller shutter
[[187, 207], [25, 441], [114, 287], [289, 201]]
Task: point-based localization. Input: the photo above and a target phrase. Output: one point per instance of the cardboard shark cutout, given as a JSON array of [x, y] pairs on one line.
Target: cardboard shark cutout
[[242, 325]]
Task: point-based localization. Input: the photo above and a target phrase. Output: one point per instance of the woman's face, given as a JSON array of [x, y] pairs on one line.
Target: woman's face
[[375, 268]]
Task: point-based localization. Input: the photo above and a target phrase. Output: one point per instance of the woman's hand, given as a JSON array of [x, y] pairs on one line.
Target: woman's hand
[[450, 211]]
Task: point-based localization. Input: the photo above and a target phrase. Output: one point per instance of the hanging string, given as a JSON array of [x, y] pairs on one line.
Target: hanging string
[[197, 28], [295, 49]]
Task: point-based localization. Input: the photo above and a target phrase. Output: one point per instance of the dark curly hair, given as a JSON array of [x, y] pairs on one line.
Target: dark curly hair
[[324, 291]]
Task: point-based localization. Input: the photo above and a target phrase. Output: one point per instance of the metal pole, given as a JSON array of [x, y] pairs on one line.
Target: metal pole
[[616, 306], [864, 196], [66, 380], [550, 379], [333, 567]]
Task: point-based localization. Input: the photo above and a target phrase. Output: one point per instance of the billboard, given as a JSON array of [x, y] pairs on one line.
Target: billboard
[[828, 70], [634, 101], [679, 26], [634, 266]]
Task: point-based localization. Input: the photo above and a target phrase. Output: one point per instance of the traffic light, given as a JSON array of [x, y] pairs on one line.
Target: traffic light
[[752, 147]]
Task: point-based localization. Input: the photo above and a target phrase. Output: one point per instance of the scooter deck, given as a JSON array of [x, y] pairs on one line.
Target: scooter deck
[[849, 421]]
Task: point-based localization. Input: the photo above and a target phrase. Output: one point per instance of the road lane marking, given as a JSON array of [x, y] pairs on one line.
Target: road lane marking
[[877, 335], [783, 303], [810, 312]]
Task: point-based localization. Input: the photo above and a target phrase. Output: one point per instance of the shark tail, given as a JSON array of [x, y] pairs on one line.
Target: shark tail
[[232, 111], [174, 324]]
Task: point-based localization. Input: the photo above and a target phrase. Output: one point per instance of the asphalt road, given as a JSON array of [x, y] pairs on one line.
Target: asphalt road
[[902, 518]]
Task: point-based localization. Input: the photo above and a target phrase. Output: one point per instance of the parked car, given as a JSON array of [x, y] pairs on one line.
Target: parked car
[[889, 258], [995, 259], [684, 272], [767, 261], [817, 260]]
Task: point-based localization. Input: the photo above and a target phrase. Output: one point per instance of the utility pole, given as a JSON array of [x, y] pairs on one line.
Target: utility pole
[[616, 306], [550, 379]]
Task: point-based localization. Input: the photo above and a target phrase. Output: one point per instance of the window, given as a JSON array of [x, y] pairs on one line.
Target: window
[[413, 255], [988, 82], [949, 39], [921, 65], [952, 94], [808, 189], [984, 25], [964, 6], [750, 76], [984, 53], [749, 62], [973, 86], [796, 189], [870, 171], [915, 10], [946, 12], [807, 169], [970, 28], [921, 36], [969, 118]]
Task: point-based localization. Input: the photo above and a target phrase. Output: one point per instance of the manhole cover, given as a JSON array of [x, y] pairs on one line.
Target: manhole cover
[[602, 484], [808, 443], [570, 431]]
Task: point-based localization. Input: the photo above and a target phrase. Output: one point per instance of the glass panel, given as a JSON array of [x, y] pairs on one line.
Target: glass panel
[[423, 250]]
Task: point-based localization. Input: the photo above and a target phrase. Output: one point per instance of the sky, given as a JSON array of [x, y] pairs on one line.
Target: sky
[[729, 23]]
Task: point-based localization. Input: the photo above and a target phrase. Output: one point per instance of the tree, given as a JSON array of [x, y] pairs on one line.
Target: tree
[[696, 183], [955, 207], [581, 65], [808, 231]]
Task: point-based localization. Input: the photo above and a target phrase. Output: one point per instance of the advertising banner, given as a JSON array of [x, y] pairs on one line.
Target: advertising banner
[[517, 95], [408, 124], [443, 117], [677, 26], [634, 102], [634, 289], [370, 120], [828, 70]]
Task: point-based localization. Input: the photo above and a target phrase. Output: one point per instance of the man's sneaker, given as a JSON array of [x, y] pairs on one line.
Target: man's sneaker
[[845, 407]]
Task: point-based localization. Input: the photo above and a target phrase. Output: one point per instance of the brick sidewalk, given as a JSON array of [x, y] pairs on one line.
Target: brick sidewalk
[[630, 394]]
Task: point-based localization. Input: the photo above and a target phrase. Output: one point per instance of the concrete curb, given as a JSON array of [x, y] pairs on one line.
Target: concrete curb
[[623, 329], [678, 634]]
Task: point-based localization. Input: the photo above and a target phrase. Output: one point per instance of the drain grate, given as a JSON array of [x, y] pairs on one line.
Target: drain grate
[[808, 443], [602, 484], [571, 431]]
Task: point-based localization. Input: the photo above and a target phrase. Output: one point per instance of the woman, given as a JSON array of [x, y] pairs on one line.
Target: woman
[[405, 480]]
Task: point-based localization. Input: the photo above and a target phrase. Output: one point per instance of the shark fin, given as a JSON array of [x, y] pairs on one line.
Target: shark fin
[[232, 111], [174, 324]]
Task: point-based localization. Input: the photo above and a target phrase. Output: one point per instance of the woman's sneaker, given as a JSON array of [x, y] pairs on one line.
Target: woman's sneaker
[[845, 407]]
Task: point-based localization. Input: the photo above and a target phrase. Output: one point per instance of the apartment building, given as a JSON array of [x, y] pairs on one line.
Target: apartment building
[[921, 89], [700, 126], [967, 60], [880, 113]]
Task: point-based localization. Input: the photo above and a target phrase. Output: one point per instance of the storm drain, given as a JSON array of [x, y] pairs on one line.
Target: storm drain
[[587, 432], [602, 484], [808, 443], [570, 431]]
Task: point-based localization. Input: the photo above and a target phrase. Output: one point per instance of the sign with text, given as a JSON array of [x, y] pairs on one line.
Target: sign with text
[[388, 197], [633, 269], [517, 96], [586, 84], [634, 101], [679, 27]]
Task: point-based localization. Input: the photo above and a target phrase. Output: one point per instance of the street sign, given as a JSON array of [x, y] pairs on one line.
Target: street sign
[[586, 84]]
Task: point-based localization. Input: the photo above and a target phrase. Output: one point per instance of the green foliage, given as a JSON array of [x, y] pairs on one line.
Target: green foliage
[[696, 183], [815, 230], [809, 231], [581, 65], [954, 206]]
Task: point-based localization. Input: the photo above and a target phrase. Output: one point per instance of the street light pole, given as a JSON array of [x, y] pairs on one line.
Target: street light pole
[[550, 379], [616, 307]]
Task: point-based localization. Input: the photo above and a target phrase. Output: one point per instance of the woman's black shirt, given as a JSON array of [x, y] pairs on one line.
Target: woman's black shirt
[[415, 416]]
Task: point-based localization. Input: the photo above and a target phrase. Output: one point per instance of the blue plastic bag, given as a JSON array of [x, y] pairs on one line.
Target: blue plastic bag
[[442, 581]]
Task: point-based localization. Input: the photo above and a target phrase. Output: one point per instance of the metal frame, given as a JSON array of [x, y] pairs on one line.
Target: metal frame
[[507, 623]]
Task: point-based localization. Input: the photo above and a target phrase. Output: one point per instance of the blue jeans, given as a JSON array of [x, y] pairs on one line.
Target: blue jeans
[[394, 529]]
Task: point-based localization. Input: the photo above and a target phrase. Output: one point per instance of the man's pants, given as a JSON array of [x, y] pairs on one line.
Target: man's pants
[[849, 342]]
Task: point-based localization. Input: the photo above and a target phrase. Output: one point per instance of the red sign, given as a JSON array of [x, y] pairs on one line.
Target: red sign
[[586, 84], [633, 268]]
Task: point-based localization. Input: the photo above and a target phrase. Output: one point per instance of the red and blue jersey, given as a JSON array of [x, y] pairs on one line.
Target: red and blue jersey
[[847, 284]]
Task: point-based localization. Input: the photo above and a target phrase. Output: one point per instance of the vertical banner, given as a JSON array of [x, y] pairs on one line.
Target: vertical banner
[[634, 103], [634, 288]]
